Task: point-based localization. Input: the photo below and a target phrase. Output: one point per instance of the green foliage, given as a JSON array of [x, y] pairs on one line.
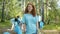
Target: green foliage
[[12, 8], [0, 0], [53, 13]]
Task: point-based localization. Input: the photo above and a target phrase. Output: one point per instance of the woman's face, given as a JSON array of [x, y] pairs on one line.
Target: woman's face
[[30, 8]]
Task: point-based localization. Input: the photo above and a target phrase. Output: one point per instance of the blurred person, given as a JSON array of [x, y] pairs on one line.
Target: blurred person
[[16, 25]]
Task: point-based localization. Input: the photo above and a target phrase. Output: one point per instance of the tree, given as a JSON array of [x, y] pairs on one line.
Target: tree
[[3, 7], [12, 8], [53, 11]]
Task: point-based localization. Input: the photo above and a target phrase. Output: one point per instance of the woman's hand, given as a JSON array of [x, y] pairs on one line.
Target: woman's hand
[[9, 29], [24, 28]]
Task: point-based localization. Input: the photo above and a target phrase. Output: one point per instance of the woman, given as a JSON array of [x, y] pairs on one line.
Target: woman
[[15, 25], [30, 19]]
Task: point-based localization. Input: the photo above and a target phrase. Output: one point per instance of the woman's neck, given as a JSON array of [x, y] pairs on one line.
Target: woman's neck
[[29, 12]]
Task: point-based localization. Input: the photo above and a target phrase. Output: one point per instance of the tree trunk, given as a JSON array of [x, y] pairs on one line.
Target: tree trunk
[[2, 19]]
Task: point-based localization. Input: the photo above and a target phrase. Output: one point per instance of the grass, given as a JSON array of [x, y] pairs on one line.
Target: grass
[[5, 24], [52, 26]]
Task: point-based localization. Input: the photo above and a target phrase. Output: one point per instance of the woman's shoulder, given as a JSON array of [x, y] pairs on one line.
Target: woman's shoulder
[[25, 14]]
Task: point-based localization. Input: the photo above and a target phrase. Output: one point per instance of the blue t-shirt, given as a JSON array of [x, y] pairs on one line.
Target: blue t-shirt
[[30, 22]]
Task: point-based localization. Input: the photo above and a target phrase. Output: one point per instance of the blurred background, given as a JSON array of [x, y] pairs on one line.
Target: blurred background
[[49, 9]]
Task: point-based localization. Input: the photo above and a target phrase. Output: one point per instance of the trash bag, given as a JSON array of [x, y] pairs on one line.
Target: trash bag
[[41, 25]]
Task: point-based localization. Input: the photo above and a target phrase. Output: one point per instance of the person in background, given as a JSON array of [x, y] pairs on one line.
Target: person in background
[[16, 25], [39, 17], [30, 19], [40, 23]]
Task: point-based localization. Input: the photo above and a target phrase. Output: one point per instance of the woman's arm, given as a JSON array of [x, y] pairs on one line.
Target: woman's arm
[[24, 27], [37, 26], [12, 27]]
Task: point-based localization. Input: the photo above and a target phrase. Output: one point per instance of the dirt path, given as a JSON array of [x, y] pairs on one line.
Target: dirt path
[[50, 32], [43, 31]]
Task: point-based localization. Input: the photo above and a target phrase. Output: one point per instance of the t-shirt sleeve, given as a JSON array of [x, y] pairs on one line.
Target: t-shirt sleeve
[[23, 19]]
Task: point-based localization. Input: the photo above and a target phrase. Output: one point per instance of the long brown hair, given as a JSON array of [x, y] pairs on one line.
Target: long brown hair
[[33, 12]]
